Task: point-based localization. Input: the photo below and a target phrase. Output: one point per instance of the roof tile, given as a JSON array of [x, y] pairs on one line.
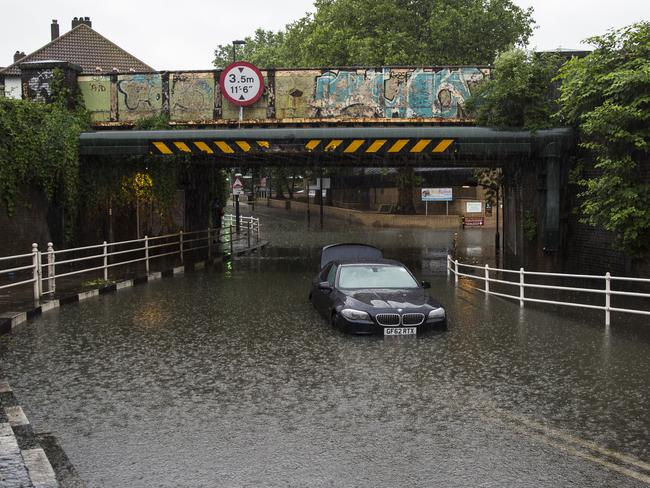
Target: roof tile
[[87, 48]]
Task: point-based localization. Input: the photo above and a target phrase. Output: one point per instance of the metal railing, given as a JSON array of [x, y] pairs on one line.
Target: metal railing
[[41, 269], [486, 273]]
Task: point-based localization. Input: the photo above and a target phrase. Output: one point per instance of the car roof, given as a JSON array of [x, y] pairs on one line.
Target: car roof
[[384, 262]]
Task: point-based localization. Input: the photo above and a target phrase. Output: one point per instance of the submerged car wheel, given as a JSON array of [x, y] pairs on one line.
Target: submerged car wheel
[[334, 320]]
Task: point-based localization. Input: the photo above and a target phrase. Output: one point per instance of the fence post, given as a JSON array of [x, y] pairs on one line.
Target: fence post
[[448, 265], [209, 245], [521, 287], [35, 274], [180, 240], [608, 298], [146, 253], [487, 279], [456, 270], [51, 269], [250, 228], [105, 261], [258, 231], [230, 238]]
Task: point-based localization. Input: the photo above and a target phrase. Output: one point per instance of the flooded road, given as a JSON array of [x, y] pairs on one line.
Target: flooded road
[[229, 378]]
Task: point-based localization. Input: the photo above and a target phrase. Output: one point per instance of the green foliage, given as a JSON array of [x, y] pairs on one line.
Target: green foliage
[[491, 179], [390, 32], [530, 226], [606, 95], [520, 92], [123, 182], [39, 148]]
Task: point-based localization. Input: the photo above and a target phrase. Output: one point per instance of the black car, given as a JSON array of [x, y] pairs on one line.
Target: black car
[[360, 292]]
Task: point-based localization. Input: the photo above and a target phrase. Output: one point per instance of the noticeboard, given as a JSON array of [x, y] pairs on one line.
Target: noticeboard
[[474, 207], [437, 194]]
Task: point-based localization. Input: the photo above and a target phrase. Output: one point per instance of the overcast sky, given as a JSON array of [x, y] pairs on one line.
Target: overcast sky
[[183, 34]]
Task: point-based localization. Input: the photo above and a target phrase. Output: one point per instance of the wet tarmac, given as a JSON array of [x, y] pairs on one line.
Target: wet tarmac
[[228, 378]]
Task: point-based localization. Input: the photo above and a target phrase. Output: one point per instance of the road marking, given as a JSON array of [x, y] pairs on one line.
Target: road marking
[[162, 147], [354, 145], [376, 146], [224, 147], [204, 147], [333, 144], [574, 445], [421, 145], [313, 144], [398, 146], [443, 145], [182, 146]]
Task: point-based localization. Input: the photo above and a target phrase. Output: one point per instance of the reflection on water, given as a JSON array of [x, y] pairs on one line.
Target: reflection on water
[[230, 378]]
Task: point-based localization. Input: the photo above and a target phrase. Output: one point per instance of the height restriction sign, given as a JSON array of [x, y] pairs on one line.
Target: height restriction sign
[[242, 83]]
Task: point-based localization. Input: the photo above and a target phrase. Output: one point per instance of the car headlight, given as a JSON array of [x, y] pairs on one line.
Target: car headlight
[[351, 314], [437, 313]]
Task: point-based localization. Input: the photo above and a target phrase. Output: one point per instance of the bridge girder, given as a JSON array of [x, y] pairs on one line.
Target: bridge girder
[[432, 146]]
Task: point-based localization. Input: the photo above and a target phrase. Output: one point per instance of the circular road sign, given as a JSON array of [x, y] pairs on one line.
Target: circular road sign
[[242, 83]]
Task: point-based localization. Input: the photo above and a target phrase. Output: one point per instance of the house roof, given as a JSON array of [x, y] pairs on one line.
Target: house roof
[[87, 48]]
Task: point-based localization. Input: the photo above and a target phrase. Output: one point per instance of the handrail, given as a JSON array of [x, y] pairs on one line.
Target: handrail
[[44, 264], [455, 267]]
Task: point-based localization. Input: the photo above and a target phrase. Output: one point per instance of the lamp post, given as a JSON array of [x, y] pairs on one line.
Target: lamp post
[[234, 48]]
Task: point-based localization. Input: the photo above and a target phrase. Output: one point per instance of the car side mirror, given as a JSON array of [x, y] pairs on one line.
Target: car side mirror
[[426, 284], [325, 286]]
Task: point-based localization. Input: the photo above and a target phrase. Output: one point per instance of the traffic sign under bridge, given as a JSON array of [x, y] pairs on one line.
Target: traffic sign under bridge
[[237, 187]]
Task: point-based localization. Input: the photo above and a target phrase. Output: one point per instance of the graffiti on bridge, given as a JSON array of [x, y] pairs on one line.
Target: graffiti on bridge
[[382, 93], [395, 93]]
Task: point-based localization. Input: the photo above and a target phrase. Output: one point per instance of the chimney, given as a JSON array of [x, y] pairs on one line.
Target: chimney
[[54, 29], [18, 56], [81, 20]]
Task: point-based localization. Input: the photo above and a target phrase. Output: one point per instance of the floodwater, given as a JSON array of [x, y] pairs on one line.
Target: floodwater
[[228, 378]]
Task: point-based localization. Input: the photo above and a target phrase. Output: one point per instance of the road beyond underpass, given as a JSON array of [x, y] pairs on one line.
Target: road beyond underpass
[[229, 378]]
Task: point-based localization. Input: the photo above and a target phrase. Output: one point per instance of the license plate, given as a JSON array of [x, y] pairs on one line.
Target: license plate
[[393, 331]]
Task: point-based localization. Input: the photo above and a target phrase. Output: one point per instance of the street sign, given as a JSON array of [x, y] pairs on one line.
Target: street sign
[[242, 83], [437, 195], [237, 187]]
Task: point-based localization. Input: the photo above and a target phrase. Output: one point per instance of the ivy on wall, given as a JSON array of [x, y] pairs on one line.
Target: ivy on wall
[[39, 148]]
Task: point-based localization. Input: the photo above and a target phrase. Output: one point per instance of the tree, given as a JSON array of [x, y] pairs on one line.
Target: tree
[[606, 96], [390, 32], [520, 93]]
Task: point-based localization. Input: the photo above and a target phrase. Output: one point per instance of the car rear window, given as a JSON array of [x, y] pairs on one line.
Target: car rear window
[[375, 276]]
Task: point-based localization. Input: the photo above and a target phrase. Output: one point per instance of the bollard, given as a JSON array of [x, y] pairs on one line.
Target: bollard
[[487, 279], [51, 268], [456, 271], [249, 233], [180, 243], [105, 261], [35, 274], [521, 287], [608, 298], [146, 253], [231, 242], [448, 265], [258, 231]]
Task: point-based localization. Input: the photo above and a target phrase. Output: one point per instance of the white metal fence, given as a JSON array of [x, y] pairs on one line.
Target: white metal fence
[[488, 275], [40, 269]]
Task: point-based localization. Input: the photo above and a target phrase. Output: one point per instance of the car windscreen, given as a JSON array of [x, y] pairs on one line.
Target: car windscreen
[[375, 276]]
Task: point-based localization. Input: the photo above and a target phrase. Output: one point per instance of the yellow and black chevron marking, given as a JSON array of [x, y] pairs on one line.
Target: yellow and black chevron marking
[[343, 146], [208, 147], [380, 146]]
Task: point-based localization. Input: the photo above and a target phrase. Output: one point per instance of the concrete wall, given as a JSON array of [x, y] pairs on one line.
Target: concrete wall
[[436, 93], [371, 219]]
